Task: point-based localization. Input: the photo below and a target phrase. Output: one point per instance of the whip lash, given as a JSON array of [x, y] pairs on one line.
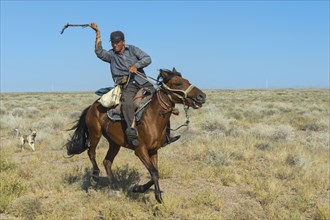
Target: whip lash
[[74, 25]]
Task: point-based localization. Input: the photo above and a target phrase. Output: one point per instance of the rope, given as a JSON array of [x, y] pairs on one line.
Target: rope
[[187, 121]]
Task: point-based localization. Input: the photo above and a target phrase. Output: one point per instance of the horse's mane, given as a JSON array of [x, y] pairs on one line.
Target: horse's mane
[[168, 77]]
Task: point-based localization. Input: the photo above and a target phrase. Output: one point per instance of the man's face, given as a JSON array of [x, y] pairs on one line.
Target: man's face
[[118, 46]]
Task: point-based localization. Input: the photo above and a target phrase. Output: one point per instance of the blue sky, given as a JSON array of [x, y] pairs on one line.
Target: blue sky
[[214, 44]]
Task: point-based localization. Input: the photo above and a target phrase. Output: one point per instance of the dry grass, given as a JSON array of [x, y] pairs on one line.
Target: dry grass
[[248, 154]]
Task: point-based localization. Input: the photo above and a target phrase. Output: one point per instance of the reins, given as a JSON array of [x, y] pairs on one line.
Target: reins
[[187, 119]]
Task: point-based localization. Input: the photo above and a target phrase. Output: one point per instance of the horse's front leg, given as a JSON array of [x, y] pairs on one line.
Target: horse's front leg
[[143, 188], [150, 161], [108, 161]]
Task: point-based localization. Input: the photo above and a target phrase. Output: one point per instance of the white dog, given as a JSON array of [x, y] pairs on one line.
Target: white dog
[[30, 139]]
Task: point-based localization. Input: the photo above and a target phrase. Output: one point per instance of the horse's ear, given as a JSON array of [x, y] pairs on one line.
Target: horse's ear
[[174, 70], [161, 72]]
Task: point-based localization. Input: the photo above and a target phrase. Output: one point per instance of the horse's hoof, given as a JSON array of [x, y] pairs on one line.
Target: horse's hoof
[[136, 188], [159, 197], [114, 186], [116, 193], [94, 181], [132, 188]]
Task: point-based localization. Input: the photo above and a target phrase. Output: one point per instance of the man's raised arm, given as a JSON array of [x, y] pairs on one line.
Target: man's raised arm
[[98, 34]]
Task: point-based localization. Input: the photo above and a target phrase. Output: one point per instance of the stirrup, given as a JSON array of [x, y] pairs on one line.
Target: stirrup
[[170, 139]]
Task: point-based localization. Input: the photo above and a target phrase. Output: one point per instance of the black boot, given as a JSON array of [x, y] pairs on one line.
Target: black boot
[[132, 137], [170, 139]]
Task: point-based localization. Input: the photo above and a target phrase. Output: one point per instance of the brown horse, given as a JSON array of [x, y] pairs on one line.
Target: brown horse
[[94, 123]]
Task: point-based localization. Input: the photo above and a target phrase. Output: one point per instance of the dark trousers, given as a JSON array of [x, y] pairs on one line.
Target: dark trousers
[[128, 109]]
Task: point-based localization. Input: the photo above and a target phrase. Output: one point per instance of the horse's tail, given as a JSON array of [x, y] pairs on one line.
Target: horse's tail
[[79, 140]]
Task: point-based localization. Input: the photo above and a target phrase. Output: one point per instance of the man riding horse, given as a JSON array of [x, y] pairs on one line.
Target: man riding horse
[[126, 65]]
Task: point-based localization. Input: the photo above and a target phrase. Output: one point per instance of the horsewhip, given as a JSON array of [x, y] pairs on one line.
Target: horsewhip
[[74, 25]]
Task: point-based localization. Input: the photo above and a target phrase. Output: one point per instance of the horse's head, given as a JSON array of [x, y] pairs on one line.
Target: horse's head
[[181, 90]]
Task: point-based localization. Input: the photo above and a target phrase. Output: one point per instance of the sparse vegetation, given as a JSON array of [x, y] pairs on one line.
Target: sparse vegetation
[[247, 154]]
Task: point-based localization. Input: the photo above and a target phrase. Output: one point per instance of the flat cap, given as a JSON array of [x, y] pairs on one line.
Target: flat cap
[[117, 36]]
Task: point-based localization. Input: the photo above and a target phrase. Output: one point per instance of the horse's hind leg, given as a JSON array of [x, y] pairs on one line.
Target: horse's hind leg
[[108, 161], [94, 140]]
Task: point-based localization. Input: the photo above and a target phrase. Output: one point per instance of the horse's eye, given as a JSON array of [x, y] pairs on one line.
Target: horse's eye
[[178, 84]]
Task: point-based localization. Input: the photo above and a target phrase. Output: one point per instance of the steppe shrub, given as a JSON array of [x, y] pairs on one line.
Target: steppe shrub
[[218, 125], [18, 112], [32, 112], [268, 112], [312, 127], [324, 211], [75, 115], [6, 164], [203, 197], [292, 160], [264, 146], [3, 110], [53, 122], [28, 207], [11, 187], [235, 114], [11, 122], [218, 157], [166, 170], [72, 174], [257, 111], [282, 133], [213, 126], [298, 159], [310, 123], [275, 133], [284, 107], [126, 176], [316, 140]]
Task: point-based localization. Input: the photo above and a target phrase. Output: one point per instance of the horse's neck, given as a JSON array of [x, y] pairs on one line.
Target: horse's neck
[[161, 106], [164, 101]]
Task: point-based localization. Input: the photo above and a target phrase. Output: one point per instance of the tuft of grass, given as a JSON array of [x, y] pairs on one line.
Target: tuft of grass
[[203, 197], [6, 164], [27, 207], [264, 146], [323, 211], [218, 157], [312, 127], [273, 133], [11, 187]]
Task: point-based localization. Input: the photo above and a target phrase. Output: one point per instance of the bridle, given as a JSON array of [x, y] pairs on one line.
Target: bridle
[[177, 93]]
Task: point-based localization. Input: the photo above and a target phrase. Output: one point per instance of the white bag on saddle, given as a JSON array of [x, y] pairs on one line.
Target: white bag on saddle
[[111, 98]]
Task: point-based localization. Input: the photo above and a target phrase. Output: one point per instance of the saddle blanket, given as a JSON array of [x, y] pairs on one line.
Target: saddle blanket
[[141, 101]]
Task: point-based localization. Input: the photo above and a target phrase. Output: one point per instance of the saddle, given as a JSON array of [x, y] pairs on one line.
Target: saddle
[[141, 100]]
